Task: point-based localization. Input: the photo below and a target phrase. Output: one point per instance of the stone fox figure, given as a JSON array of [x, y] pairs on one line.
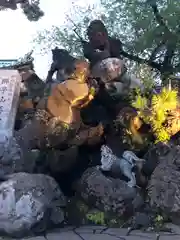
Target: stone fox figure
[[125, 164], [104, 54]]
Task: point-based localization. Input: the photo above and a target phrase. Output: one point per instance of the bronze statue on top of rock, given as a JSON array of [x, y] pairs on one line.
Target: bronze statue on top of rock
[[100, 45], [104, 52]]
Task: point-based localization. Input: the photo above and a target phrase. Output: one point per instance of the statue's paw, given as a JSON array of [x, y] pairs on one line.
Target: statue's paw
[[131, 184], [98, 167]]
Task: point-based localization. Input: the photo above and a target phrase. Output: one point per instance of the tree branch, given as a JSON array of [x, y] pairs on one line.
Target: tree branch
[[177, 68], [8, 4], [167, 63], [169, 38], [167, 60], [142, 60], [156, 50], [157, 15], [11, 4]]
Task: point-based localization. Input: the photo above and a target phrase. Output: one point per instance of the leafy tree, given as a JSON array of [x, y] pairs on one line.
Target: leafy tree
[[30, 8], [148, 29], [68, 35]]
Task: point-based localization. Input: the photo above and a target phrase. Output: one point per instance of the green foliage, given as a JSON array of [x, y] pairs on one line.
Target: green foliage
[[145, 74], [69, 34], [92, 91], [81, 213], [140, 102], [101, 218], [30, 8], [96, 217], [158, 221], [155, 111], [32, 11]]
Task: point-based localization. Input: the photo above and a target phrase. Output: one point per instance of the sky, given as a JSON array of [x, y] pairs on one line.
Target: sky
[[17, 32]]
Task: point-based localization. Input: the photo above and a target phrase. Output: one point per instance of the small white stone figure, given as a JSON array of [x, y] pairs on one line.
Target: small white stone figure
[[107, 158], [126, 163]]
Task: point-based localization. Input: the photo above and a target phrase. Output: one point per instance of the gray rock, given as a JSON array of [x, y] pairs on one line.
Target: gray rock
[[108, 194], [164, 186], [13, 159], [62, 161], [154, 156], [29, 203]]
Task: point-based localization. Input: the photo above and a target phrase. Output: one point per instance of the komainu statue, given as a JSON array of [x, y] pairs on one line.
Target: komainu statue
[[63, 65], [104, 52]]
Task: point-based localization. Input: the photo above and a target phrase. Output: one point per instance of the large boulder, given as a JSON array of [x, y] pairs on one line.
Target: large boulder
[[66, 99], [32, 135], [57, 119], [29, 203], [88, 135], [175, 140], [14, 158], [107, 194], [61, 160], [164, 186], [63, 98], [156, 154]]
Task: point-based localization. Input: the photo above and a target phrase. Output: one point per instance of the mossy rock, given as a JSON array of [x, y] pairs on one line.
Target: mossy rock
[[79, 213]]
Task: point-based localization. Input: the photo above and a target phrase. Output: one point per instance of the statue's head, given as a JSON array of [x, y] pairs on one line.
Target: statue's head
[[97, 33], [107, 158], [62, 60], [58, 54]]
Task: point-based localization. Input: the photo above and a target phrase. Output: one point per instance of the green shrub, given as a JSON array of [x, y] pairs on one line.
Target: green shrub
[[155, 110]]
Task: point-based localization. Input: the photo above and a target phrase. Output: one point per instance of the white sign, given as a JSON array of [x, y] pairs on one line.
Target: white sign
[[10, 81]]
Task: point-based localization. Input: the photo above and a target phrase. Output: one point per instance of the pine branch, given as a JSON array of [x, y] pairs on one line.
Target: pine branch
[[4, 4], [157, 15], [156, 50], [142, 60], [169, 38]]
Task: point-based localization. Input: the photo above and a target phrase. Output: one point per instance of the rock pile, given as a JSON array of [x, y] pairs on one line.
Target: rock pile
[[54, 154]]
